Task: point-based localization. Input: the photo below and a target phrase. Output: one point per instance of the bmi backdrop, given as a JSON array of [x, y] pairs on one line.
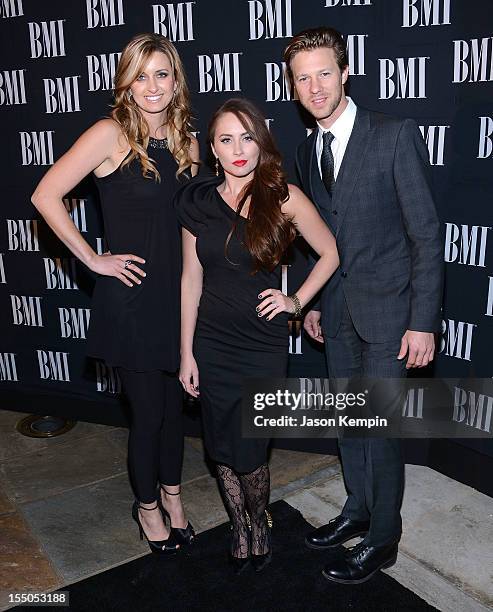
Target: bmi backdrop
[[431, 60]]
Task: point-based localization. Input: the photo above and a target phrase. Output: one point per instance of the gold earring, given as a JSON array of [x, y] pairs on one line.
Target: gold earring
[[217, 166]]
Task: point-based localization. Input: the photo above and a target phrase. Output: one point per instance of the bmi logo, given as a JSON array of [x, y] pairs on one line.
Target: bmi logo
[[473, 409], [8, 368], [294, 326], [3, 280], [76, 208], [425, 13], [295, 338], [53, 366], [219, 72], [466, 244], [456, 339], [60, 273], [434, 136], [413, 406], [473, 60], [47, 39], [26, 310], [101, 246], [276, 90], [37, 148], [355, 47], [489, 301], [485, 142], [104, 13], [74, 322], [23, 234], [12, 87], [404, 78], [332, 3], [101, 70], [62, 94], [270, 19], [175, 21], [11, 8], [107, 379]]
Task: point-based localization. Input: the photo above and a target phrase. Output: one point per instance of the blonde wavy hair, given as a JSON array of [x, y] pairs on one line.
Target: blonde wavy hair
[[133, 61]]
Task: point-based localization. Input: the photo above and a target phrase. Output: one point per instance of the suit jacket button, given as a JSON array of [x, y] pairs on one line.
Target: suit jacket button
[[343, 274], [334, 212]]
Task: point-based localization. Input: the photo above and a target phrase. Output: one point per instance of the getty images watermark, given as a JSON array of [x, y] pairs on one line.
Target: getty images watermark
[[302, 401], [368, 407]]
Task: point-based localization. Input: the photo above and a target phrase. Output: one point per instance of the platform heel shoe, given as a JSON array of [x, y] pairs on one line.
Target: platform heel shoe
[[161, 547], [181, 535]]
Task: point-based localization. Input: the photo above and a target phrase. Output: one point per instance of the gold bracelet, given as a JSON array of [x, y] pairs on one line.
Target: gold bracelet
[[297, 304]]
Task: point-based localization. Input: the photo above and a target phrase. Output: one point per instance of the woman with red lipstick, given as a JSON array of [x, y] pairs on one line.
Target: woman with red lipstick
[[139, 158], [234, 316]]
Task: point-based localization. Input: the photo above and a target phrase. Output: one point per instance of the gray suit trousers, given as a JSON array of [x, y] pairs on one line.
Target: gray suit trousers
[[373, 469]]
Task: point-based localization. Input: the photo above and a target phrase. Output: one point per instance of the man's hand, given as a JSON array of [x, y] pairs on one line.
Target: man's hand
[[420, 348], [312, 327]]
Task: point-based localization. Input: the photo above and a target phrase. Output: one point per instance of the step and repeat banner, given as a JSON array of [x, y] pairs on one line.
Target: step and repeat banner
[[431, 60]]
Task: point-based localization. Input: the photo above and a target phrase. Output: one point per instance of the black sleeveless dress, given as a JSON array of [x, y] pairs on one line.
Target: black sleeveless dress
[[231, 342], [138, 327]]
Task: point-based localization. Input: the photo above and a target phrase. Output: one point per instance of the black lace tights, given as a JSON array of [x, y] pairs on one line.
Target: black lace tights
[[246, 491]]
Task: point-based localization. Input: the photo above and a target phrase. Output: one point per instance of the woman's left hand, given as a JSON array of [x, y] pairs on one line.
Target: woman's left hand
[[274, 302]]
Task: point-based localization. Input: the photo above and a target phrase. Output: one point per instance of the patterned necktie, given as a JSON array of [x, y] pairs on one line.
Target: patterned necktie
[[327, 162]]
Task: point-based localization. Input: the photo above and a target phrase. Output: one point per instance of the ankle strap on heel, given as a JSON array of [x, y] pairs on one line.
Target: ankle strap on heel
[[169, 492], [141, 507]]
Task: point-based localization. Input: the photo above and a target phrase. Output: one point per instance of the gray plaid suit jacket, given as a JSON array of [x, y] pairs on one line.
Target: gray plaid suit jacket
[[386, 227]]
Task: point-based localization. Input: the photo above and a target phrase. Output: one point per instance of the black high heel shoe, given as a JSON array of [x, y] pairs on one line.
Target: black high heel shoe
[[239, 564], [161, 547], [182, 535], [260, 561]]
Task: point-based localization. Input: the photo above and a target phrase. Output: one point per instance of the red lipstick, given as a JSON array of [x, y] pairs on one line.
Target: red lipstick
[[240, 162]]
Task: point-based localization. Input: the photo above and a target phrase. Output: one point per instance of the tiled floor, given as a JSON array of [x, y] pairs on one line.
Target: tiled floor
[[65, 513], [65, 502]]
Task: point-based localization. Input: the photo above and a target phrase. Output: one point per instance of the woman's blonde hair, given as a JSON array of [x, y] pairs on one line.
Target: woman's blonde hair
[[133, 61]]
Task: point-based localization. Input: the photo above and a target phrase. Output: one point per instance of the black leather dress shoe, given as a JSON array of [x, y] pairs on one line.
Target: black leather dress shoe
[[339, 530], [360, 563]]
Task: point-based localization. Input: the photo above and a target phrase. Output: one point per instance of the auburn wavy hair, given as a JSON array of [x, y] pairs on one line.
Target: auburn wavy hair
[[269, 231], [133, 61]]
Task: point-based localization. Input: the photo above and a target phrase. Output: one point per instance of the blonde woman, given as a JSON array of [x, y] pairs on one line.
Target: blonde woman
[[139, 157]]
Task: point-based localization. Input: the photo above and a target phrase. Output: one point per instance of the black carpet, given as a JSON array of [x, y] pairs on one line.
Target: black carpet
[[202, 580]]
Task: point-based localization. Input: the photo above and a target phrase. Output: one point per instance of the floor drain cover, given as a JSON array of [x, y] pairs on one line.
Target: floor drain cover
[[36, 426]]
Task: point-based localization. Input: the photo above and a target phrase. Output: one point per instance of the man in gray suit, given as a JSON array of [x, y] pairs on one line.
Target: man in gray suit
[[369, 176]]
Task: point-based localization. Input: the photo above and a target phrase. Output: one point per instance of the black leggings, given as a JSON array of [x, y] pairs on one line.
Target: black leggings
[[155, 444]]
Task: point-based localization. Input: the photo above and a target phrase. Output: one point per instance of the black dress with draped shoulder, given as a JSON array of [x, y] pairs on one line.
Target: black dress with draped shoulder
[[138, 327], [231, 342]]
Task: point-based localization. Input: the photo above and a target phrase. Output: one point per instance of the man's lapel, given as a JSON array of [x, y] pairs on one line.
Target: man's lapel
[[353, 161]]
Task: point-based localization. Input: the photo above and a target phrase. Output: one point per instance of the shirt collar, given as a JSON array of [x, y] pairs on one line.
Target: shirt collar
[[341, 128]]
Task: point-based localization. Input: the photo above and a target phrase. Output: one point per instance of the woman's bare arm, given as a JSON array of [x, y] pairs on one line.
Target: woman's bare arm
[[314, 230], [191, 290], [97, 148]]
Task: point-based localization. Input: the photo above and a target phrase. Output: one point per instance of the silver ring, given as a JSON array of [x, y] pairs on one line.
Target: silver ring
[[128, 262]]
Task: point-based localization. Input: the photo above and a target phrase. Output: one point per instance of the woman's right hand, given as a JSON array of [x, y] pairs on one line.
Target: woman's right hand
[[114, 265], [189, 375]]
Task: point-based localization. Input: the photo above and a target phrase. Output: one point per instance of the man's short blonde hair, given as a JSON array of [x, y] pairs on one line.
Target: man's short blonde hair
[[316, 38]]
